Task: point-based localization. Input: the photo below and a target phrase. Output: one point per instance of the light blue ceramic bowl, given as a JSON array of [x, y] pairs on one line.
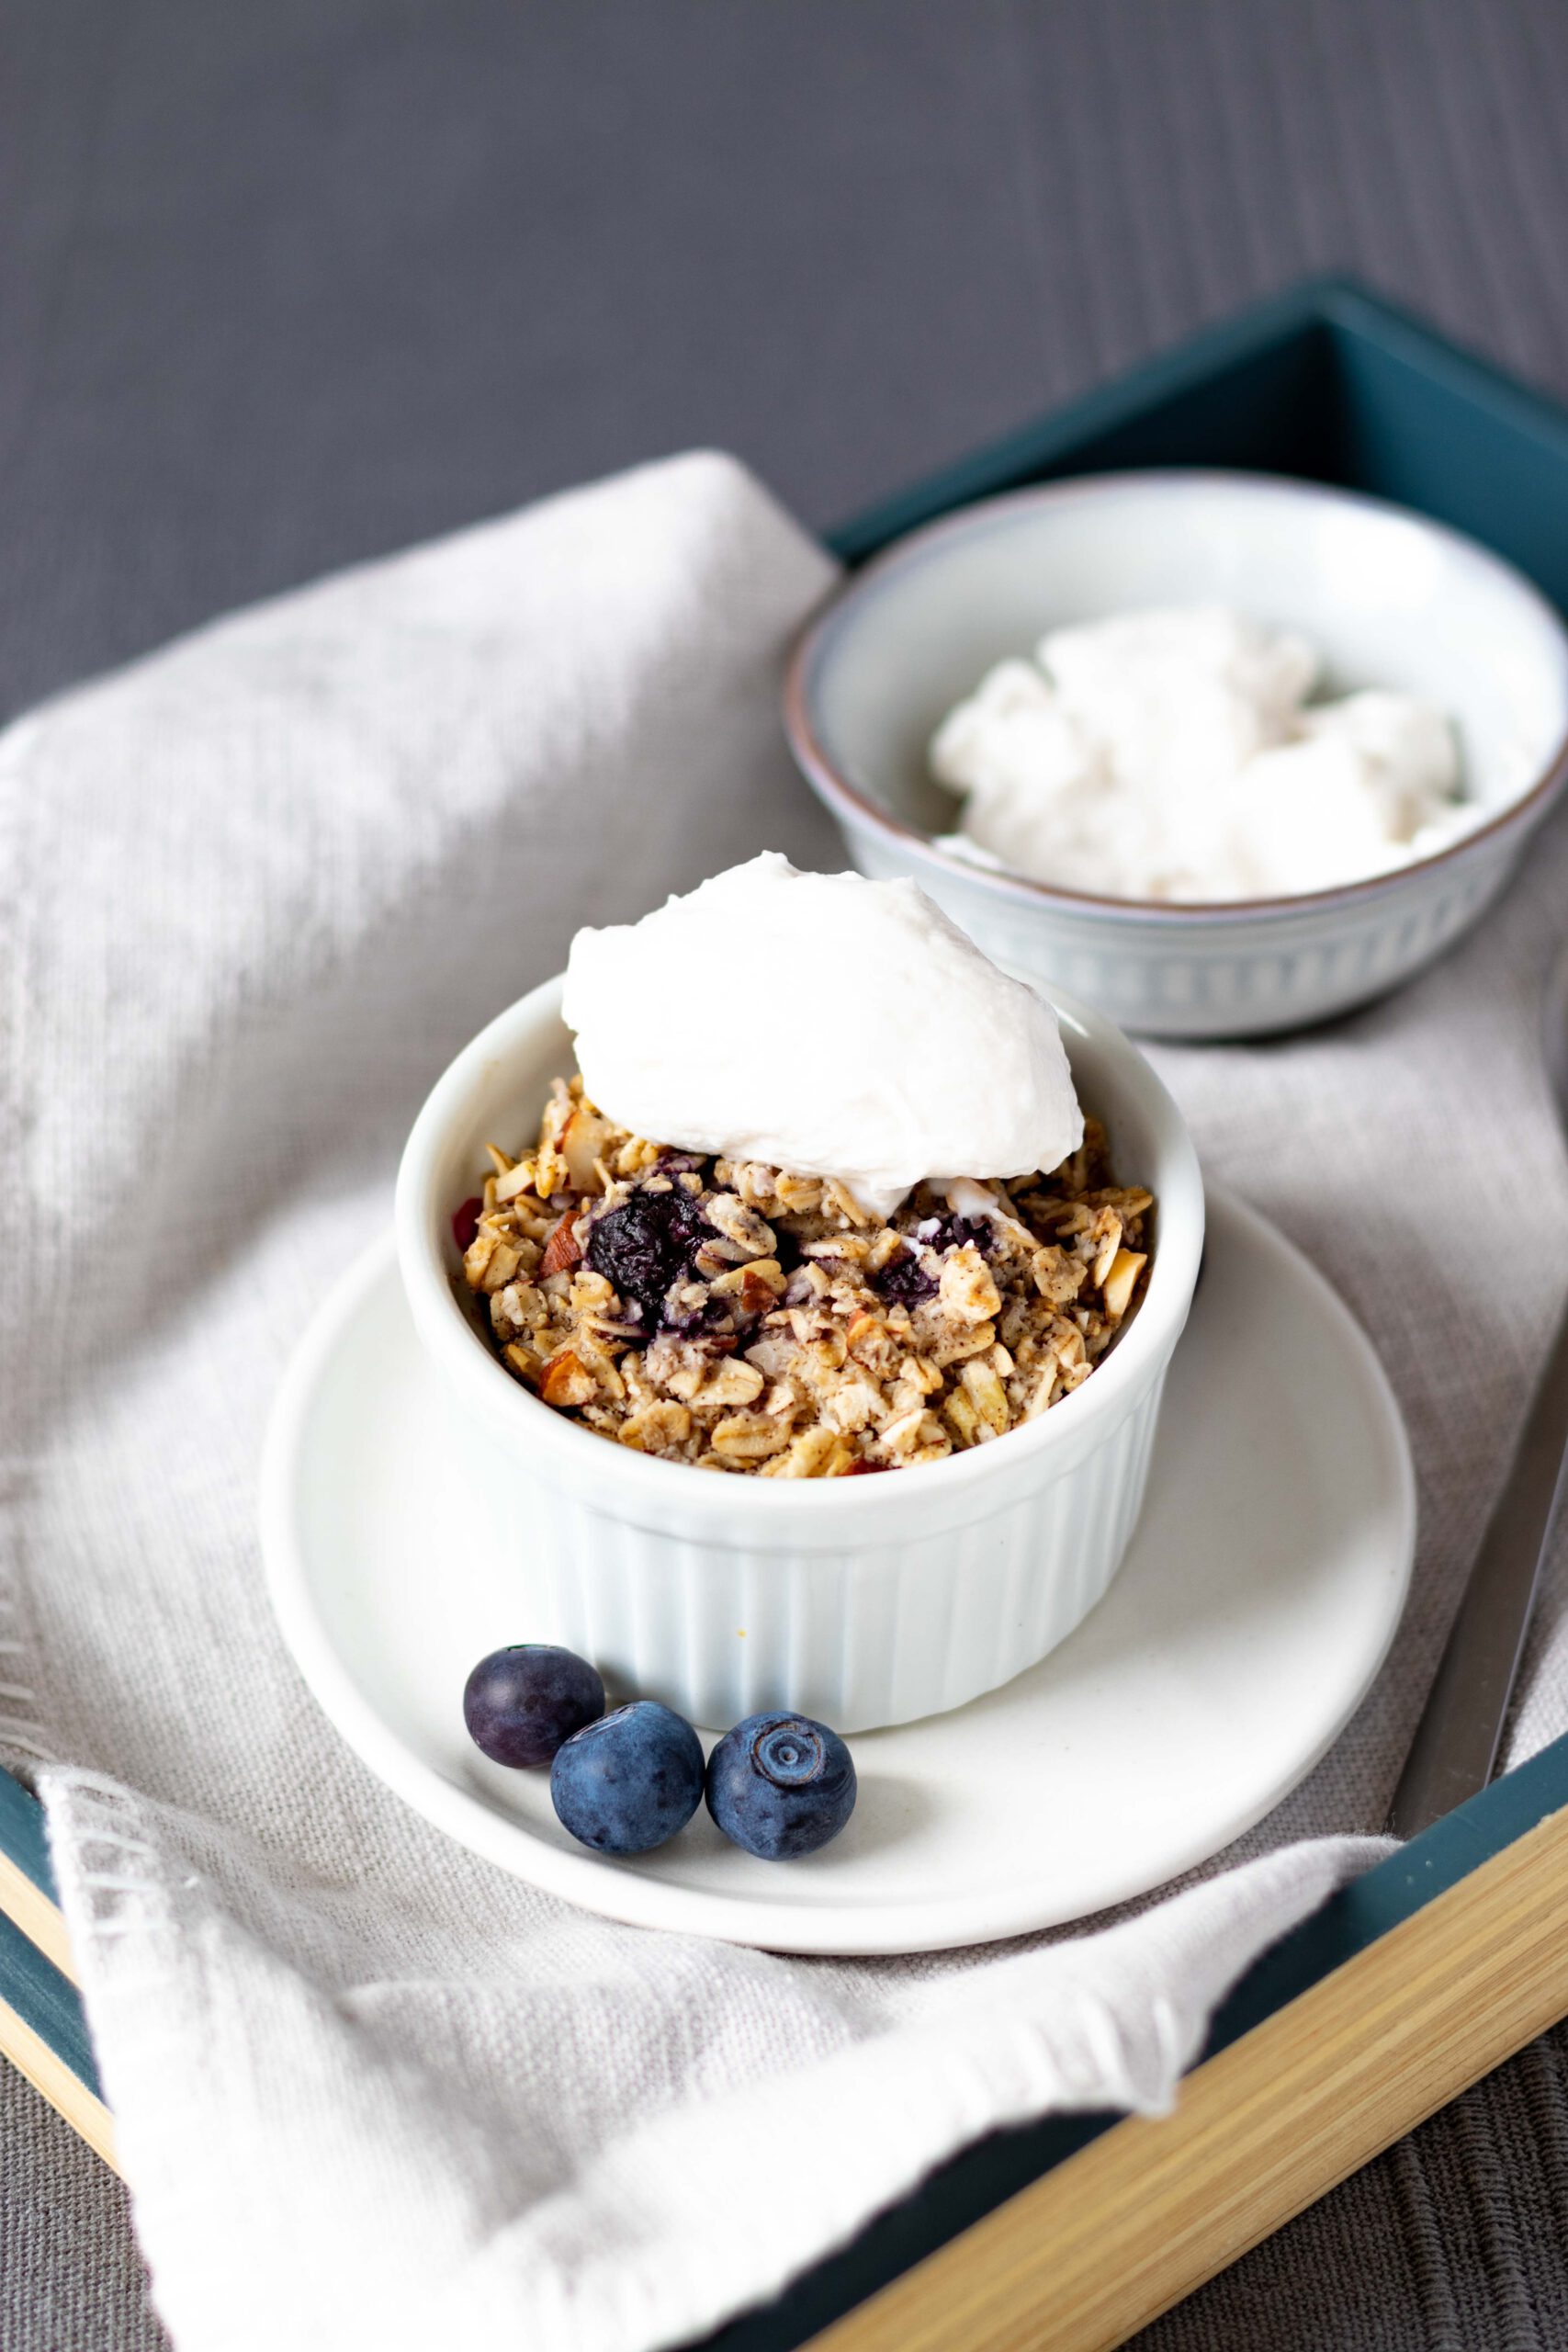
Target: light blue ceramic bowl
[[1391, 599]]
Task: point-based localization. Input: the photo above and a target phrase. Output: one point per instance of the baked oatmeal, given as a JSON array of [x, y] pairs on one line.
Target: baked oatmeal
[[744, 1319]]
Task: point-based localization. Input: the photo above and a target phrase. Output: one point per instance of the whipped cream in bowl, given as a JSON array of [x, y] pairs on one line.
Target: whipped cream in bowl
[[688, 1353], [1233, 752], [1173, 755]]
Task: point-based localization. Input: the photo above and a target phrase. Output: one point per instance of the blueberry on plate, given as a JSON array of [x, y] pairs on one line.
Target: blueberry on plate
[[629, 1781], [781, 1785], [520, 1704]]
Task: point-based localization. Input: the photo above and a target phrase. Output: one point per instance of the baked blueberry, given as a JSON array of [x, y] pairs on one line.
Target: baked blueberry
[[646, 1244], [630, 1780], [781, 1785], [520, 1704], [944, 1233], [905, 1281]]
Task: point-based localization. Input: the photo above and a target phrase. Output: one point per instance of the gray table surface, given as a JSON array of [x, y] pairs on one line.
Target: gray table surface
[[286, 286]]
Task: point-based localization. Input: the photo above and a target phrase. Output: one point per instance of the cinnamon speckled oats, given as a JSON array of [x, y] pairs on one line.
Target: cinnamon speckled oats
[[745, 1319]]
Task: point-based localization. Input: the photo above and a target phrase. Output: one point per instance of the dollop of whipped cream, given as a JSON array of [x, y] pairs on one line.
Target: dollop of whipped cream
[[824, 1025], [1172, 754]]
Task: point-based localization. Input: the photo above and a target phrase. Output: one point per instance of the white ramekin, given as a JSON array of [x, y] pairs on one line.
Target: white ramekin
[[862, 1602], [1390, 598]]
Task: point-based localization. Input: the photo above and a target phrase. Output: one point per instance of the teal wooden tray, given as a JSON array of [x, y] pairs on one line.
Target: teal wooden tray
[[1407, 1985]]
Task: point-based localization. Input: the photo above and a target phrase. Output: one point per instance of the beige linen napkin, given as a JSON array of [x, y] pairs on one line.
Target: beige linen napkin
[[370, 2091]]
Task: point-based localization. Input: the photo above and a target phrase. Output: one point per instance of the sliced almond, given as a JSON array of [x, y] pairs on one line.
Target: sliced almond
[[551, 1174], [1121, 1281], [898, 1435], [515, 1181], [867, 1338], [758, 1292], [582, 1142], [958, 1411], [478, 1255], [764, 1275], [966, 1289], [564, 1382], [562, 1250], [987, 1393], [840, 1197], [504, 1261]]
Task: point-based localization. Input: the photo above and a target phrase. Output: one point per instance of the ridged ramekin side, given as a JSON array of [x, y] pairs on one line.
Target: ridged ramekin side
[[863, 1635]]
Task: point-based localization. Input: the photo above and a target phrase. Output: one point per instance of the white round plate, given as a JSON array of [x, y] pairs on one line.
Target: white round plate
[[1254, 1605]]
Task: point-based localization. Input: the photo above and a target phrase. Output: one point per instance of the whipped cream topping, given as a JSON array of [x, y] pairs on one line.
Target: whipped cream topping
[[823, 1024], [1172, 754]]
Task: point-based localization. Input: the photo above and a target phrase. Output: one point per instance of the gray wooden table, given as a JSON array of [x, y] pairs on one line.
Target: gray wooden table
[[281, 287]]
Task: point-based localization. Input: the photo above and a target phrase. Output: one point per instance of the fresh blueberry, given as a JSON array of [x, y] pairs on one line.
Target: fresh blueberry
[[520, 1704], [781, 1785], [630, 1780]]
